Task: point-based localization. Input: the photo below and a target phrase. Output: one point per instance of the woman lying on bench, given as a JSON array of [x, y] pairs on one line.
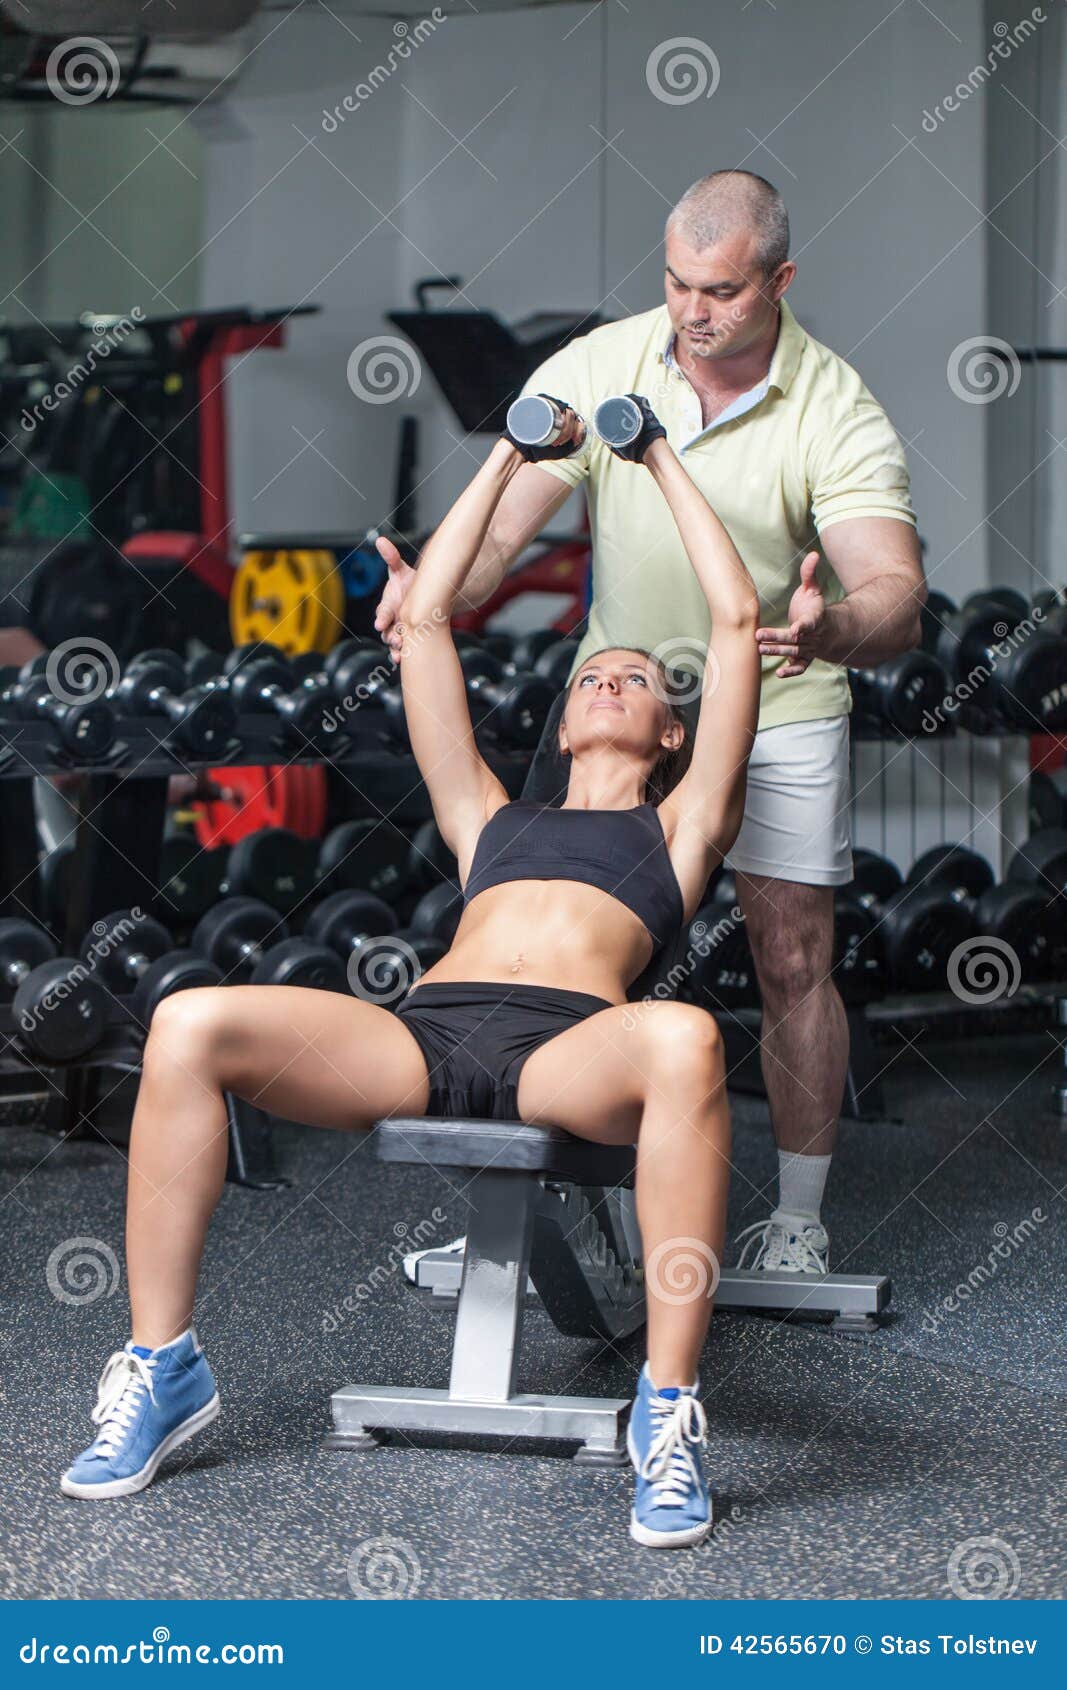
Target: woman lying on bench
[[525, 1018]]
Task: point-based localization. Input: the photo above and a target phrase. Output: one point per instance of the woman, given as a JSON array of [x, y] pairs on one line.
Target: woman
[[526, 1016]]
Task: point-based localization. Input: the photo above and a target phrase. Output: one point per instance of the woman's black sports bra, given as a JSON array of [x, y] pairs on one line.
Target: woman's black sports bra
[[622, 852]]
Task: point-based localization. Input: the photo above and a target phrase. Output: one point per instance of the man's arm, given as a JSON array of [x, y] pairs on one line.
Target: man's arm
[[878, 562], [530, 500]]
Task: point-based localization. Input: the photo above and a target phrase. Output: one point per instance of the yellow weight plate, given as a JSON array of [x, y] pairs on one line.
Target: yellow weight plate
[[293, 597]]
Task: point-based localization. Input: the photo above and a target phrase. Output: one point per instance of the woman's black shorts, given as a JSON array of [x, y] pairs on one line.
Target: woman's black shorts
[[476, 1036]]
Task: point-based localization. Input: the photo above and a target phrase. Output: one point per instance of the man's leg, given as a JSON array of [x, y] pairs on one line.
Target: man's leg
[[804, 1052]]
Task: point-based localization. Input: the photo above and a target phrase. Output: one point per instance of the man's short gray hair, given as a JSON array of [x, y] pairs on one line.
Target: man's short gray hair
[[728, 200]]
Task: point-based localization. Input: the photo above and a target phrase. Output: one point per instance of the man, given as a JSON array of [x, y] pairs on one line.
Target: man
[[789, 447]]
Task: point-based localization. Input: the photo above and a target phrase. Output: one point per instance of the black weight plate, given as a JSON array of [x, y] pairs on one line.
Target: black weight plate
[[952, 867], [366, 856], [21, 942], [724, 974], [528, 647], [346, 917], [921, 927], [874, 875], [273, 864], [118, 936], [1048, 799], [911, 691], [220, 933], [295, 962], [1005, 600], [438, 912], [1043, 858], [174, 971], [859, 964], [1018, 915], [191, 878], [430, 861], [932, 616], [60, 1010], [1031, 684]]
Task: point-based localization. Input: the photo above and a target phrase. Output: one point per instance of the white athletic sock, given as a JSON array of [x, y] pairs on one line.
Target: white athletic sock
[[801, 1183]]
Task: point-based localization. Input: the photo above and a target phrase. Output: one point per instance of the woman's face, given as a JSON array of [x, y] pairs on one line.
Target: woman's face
[[617, 696]]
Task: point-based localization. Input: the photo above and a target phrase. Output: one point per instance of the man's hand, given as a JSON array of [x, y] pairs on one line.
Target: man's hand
[[386, 617], [798, 643]]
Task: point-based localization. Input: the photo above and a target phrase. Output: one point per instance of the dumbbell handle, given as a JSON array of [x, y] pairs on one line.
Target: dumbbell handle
[[136, 963], [14, 972]]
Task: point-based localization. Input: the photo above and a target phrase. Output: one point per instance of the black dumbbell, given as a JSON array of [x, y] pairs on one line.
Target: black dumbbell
[[556, 663], [529, 647], [512, 710], [384, 968], [1042, 861], [502, 646], [1021, 679], [237, 936], [1009, 603], [250, 653], [352, 925], [438, 912], [126, 948], [274, 865], [59, 1009], [722, 975], [1027, 920], [905, 694], [190, 878], [202, 719], [84, 728], [858, 968], [365, 856], [1050, 598], [920, 922], [430, 859], [933, 616], [1048, 799], [267, 685]]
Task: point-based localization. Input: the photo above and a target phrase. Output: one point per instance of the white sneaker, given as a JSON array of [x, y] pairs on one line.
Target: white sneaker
[[785, 1244], [411, 1262]]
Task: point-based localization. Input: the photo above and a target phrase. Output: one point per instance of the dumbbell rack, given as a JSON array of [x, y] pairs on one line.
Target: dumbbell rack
[[123, 798]]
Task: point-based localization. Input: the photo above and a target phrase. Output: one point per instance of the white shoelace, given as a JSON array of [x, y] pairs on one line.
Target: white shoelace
[[118, 1397], [772, 1247], [670, 1465]]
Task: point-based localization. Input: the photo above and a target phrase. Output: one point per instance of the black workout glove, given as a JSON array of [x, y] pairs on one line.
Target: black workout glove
[[653, 429], [537, 454]]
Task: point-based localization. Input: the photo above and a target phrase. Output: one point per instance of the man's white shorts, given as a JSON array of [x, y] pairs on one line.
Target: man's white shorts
[[796, 824]]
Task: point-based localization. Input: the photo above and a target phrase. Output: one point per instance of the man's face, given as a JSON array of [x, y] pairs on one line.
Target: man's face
[[719, 300]]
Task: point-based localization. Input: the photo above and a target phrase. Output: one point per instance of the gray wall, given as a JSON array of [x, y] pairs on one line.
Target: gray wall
[[479, 154]]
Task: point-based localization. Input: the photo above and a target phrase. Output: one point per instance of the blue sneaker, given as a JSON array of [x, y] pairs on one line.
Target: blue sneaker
[[672, 1508], [146, 1405]]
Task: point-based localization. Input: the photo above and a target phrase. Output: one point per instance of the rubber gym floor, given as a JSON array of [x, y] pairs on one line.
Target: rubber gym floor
[[841, 1467]]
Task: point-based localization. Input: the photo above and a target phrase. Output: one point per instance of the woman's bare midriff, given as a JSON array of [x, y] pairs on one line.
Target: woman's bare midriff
[[555, 933]]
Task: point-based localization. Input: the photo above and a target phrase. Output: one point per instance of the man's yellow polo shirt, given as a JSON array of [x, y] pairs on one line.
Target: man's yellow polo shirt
[[808, 447]]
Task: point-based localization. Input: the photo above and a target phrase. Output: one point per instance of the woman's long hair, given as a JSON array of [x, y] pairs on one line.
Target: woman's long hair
[[676, 688]]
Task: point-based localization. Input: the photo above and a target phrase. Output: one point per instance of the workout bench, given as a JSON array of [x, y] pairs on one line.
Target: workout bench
[[552, 1219]]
